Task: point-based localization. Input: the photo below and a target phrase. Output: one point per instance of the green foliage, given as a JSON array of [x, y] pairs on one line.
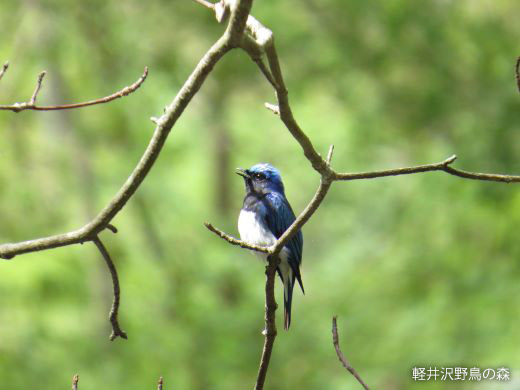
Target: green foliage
[[422, 270]]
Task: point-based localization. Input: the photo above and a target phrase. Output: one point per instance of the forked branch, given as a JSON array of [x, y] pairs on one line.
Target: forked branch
[[31, 103]]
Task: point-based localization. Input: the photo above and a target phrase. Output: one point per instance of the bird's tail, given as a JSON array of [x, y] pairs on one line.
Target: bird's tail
[[288, 285]]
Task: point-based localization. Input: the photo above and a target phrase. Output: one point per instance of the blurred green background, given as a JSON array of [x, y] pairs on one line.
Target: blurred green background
[[422, 270]]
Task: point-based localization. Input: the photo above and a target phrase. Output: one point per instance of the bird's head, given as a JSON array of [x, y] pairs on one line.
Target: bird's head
[[262, 178]]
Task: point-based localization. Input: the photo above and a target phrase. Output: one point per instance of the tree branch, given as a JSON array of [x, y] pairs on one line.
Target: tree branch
[[31, 104], [441, 166], [234, 241], [341, 357], [116, 329], [39, 81], [4, 69], [75, 380], [270, 331], [160, 383]]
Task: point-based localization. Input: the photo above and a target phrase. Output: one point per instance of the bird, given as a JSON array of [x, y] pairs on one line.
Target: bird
[[265, 215]]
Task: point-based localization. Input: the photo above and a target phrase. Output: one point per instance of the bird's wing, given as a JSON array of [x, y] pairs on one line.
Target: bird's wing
[[279, 217]]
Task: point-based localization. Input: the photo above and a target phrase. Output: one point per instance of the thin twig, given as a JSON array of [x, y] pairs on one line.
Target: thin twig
[[116, 330], [160, 384], [4, 69], [263, 68], [329, 154], [112, 228], [481, 176], [234, 241], [30, 105], [440, 166], [341, 357], [39, 81], [75, 380]]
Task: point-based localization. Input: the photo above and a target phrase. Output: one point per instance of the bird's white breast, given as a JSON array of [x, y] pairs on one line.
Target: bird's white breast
[[253, 231]]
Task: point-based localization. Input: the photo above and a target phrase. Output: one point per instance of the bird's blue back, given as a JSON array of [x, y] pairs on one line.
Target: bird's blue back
[[279, 218]]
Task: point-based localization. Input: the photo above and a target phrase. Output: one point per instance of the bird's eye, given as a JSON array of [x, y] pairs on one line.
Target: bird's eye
[[259, 176]]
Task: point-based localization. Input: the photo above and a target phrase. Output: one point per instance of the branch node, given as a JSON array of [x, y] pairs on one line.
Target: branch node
[[112, 228]]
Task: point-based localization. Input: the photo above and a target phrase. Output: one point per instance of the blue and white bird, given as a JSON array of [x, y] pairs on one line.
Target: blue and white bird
[[265, 216]]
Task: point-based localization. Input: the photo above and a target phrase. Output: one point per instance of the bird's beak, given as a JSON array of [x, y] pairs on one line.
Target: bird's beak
[[242, 172]]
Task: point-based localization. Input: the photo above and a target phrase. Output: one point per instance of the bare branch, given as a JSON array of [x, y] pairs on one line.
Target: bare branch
[[116, 330], [39, 81], [481, 176], [341, 357], [263, 68], [255, 52], [270, 331], [234, 241], [75, 380], [160, 383], [31, 104], [441, 166], [4, 69]]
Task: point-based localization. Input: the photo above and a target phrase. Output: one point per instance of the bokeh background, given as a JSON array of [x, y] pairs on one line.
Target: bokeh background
[[422, 270]]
